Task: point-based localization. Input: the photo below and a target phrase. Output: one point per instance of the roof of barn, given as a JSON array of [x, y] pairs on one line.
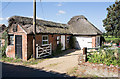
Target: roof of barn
[[42, 26], [79, 25]]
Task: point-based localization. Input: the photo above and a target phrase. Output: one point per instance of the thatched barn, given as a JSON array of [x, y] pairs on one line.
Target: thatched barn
[[20, 31], [86, 34], [20, 35]]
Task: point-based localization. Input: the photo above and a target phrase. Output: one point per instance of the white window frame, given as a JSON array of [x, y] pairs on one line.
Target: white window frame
[[45, 40], [58, 40], [10, 39]]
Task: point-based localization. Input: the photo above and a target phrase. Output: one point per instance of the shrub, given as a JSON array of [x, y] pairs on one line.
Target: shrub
[[58, 49], [3, 49], [105, 56], [72, 42]]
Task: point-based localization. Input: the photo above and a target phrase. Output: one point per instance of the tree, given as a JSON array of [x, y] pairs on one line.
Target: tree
[[112, 21]]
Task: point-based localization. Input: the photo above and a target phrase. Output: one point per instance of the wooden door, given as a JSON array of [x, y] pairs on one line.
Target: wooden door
[[18, 46]]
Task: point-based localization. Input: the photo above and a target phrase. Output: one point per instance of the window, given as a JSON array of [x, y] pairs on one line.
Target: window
[[45, 39], [68, 39], [98, 41], [58, 39], [11, 39]]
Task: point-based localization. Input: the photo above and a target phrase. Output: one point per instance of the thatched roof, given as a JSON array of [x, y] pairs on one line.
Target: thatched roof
[[2, 27], [42, 26], [79, 25]]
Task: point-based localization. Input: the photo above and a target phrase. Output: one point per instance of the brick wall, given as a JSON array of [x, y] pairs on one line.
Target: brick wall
[[52, 39], [27, 42], [10, 51], [94, 41], [67, 43], [95, 69]]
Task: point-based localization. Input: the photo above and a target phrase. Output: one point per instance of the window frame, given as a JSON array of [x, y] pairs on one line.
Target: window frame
[[68, 39], [45, 40], [9, 40], [58, 40]]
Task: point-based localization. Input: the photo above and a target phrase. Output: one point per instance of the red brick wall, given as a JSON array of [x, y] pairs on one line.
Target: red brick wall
[[66, 43], [27, 42], [52, 39], [29, 45], [11, 48], [94, 41]]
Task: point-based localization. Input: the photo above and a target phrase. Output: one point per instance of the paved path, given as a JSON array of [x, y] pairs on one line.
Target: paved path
[[61, 64], [53, 67]]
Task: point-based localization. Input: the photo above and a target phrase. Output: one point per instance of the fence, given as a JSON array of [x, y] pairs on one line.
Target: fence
[[43, 51]]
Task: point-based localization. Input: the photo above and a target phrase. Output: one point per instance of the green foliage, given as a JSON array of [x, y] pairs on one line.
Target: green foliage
[[3, 49], [113, 39], [58, 49], [31, 61], [106, 57], [112, 21], [11, 60], [72, 42]]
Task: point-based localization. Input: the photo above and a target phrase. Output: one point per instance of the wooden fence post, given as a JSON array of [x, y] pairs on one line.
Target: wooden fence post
[[36, 50]]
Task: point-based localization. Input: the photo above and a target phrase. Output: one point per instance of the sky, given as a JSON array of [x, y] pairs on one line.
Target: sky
[[60, 12]]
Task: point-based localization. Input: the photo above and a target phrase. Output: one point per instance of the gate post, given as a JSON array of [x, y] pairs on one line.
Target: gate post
[[85, 54], [36, 50]]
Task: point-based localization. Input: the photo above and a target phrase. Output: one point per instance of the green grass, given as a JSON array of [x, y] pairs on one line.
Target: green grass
[[29, 62]]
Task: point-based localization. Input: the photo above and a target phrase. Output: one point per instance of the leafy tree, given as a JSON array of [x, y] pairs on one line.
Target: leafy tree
[[112, 21]]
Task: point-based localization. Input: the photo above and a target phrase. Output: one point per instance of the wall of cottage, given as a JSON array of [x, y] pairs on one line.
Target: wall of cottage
[[10, 51], [51, 37]]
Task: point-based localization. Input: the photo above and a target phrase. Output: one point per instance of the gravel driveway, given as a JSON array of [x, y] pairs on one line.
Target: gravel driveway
[[61, 64]]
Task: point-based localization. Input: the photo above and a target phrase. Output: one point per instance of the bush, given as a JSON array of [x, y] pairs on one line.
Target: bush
[[106, 57], [58, 49], [3, 49], [72, 42]]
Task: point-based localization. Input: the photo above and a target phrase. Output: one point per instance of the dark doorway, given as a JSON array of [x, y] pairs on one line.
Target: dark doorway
[[18, 46]]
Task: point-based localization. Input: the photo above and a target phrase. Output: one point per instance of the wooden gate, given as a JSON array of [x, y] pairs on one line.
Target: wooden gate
[[43, 51]]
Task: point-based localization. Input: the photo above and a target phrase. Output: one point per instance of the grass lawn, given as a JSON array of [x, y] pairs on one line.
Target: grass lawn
[[19, 61]]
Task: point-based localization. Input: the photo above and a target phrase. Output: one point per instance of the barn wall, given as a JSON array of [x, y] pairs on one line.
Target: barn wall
[[67, 43], [52, 39], [10, 52], [29, 46]]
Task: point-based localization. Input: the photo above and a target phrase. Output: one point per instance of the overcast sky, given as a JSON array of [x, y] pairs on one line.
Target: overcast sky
[[60, 12]]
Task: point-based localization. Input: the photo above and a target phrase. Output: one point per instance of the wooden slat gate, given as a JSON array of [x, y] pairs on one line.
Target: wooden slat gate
[[43, 51]]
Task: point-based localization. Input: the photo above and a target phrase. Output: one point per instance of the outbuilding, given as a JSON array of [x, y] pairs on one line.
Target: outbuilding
[[84, 32], [48, 36]]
